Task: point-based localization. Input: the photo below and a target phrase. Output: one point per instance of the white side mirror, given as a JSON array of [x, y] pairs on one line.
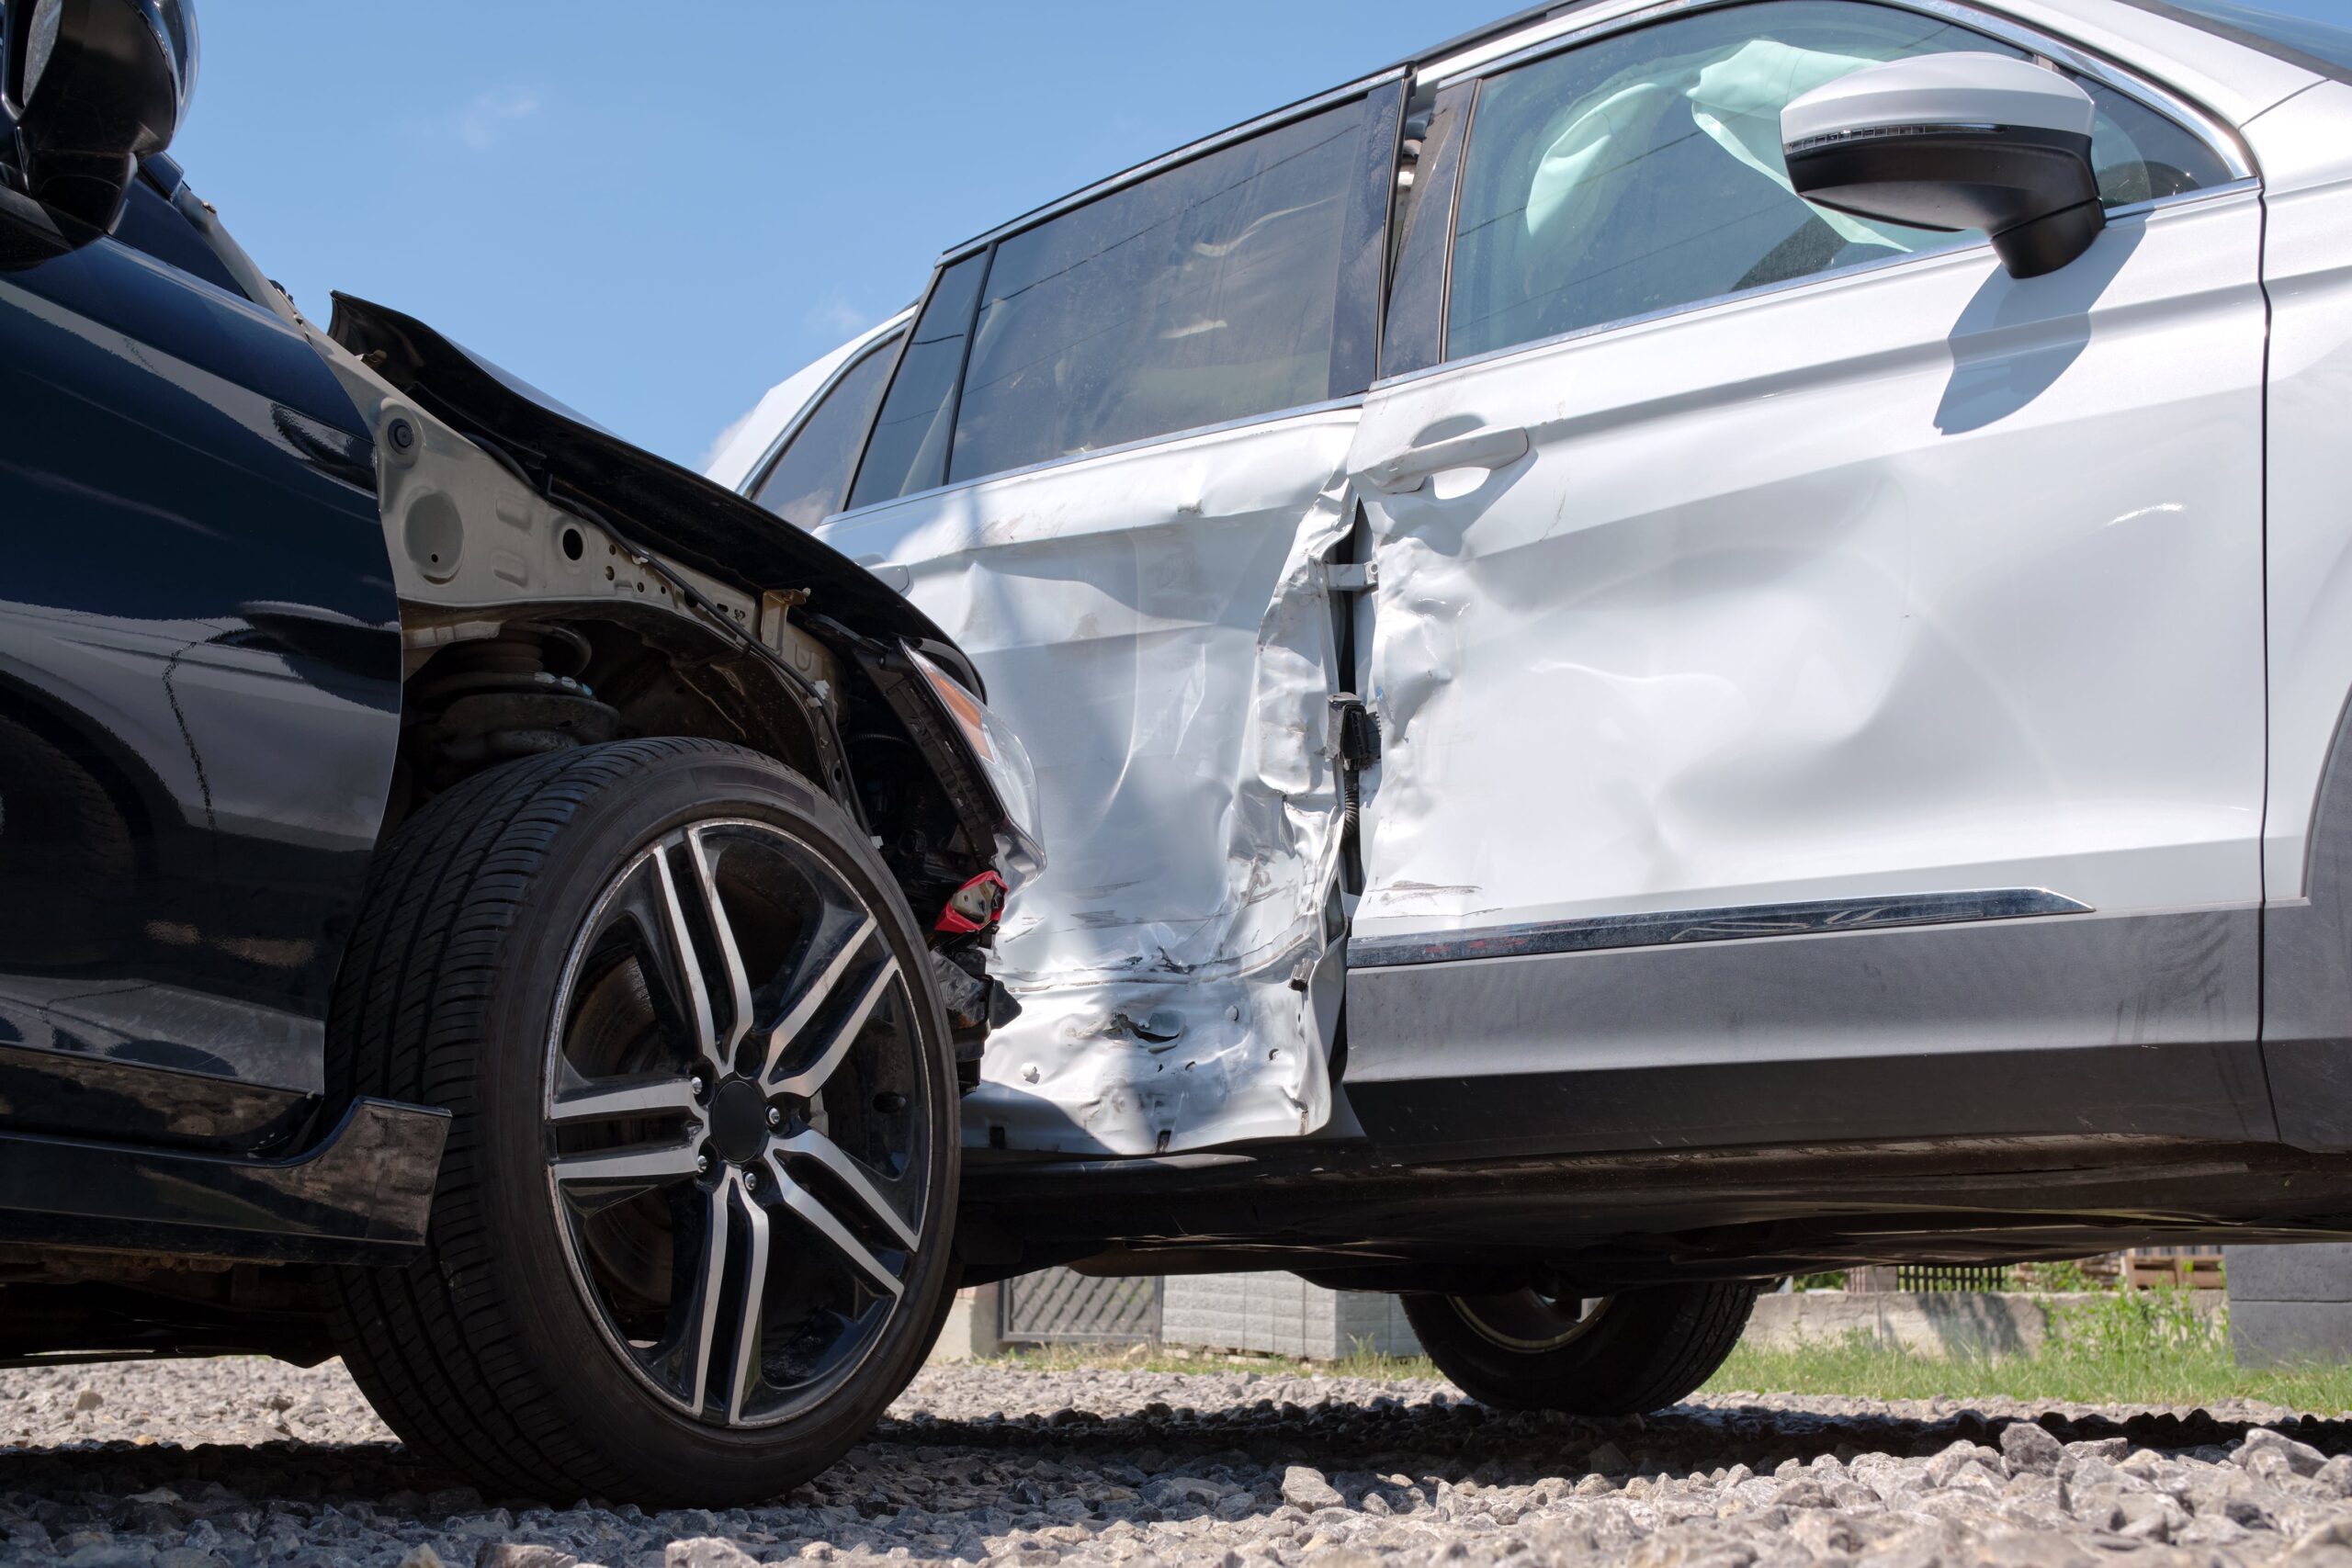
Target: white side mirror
[[1953, 141]]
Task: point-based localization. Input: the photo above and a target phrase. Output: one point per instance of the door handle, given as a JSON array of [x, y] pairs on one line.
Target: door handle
[[1410, 469]]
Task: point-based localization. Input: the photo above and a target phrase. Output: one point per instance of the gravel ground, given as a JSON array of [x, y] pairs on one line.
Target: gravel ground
[[204, 1464]]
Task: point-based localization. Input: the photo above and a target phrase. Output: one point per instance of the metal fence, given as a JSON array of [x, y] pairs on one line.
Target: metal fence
[[2137, 1268], [1952, 1277], [1056, 1307]]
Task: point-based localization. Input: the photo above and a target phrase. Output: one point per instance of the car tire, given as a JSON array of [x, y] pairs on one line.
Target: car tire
[[699, 1078], [1622, 1355]]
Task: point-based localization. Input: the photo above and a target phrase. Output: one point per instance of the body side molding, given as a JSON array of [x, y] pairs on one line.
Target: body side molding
[[1738, 923]]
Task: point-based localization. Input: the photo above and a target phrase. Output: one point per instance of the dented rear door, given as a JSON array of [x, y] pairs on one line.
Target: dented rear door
[[1112, 465]]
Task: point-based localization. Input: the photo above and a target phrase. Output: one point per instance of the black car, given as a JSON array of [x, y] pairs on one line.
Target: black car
[[475, 898]]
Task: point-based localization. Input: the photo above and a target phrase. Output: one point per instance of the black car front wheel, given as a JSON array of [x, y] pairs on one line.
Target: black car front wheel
[[691, 1232], [1621, 1355]]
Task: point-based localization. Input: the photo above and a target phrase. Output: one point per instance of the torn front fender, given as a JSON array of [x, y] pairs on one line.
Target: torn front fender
[[656, 503]]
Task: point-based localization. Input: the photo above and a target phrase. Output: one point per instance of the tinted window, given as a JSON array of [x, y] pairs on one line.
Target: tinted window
[[909, 451], [2141, 155], [1642, 171], [1202, 295], [810, 477]]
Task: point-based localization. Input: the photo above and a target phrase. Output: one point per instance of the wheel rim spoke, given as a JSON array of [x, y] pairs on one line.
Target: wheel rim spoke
[[632, 1169], [713, 1279], [748, 1320], [731, 954], [806, 1082], [811, 1211], [689, 965], [811, 1144], [652, 1096], [829, 967]]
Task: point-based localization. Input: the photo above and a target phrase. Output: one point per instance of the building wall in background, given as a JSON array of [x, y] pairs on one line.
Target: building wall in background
[[2291, 1303]]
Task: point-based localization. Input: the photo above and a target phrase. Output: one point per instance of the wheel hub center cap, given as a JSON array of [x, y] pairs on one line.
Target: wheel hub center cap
[[739, 1122]]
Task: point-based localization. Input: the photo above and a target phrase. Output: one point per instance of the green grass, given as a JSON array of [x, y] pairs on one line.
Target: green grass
[[2123, 1348], [2119, 1348]]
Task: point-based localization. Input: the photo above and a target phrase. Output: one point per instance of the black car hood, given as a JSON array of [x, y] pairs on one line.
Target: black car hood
[[657, 504]]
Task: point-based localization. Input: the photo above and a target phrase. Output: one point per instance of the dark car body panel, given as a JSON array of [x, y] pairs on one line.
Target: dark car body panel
[[201, 711], [200, 622]]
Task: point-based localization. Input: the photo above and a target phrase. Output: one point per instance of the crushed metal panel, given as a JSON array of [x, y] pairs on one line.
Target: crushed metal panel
[[1157, 624]]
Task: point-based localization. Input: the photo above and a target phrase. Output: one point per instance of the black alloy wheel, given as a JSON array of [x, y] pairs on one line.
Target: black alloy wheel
[[730, 1084], [1624, 1354], [692, 1229], [1529, 1321]]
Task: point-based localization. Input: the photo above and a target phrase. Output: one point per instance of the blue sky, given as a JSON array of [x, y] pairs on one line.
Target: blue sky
[[656, 213]]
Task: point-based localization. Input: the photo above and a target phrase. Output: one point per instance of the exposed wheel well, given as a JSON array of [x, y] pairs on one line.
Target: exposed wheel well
[[484, 688]]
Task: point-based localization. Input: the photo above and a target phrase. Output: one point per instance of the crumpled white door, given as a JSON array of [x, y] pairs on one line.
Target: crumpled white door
[[1155, 624]]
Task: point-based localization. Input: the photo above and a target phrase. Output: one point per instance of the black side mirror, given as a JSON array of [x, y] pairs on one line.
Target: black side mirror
[[1953, 141], [96, 85]]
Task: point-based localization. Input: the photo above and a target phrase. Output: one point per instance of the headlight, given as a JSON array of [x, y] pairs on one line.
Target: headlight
[[1020, 850]]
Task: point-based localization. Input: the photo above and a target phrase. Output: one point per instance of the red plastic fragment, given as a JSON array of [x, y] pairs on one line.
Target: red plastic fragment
[[973, 907]]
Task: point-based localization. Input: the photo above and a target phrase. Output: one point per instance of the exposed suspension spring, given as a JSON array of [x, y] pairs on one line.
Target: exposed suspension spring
[[497, 699]]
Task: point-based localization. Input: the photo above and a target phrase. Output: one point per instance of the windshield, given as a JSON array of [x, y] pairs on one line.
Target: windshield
[[2327, 44]]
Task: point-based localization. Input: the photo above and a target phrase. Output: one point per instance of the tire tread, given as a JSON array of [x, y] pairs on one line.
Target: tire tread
[[430, 1344], [1666, 1341]]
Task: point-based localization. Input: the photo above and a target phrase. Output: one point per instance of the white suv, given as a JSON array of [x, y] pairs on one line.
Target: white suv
[[1610, 732]]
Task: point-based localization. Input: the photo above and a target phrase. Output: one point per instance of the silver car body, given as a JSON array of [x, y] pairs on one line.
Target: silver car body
[[1899, 660]]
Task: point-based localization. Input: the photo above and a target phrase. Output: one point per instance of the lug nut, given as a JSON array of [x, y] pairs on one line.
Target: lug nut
[[702, 1165], [695, 1085], [751, 1181], [775, 1117]]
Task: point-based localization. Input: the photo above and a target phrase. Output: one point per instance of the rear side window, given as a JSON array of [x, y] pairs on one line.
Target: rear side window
[[1200, 296], [909, 451], [1643, 172], [809, 478]]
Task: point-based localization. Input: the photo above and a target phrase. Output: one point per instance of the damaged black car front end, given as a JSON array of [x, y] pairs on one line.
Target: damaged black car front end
[[783, 644], [475, 897]]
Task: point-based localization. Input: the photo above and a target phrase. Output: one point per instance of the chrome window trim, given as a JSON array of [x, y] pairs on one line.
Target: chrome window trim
[[1768, 291], [1273, 120], [1743, 922], [1607, 17], [758, 473], [1329, 405]]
